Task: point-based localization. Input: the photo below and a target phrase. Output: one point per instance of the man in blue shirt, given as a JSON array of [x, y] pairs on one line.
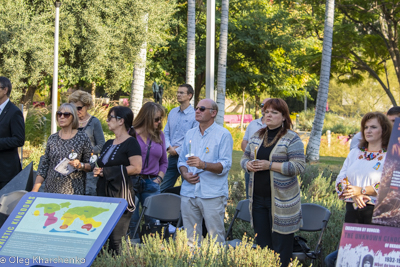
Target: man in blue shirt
[[204, 163], [180, 120], [251, 129]]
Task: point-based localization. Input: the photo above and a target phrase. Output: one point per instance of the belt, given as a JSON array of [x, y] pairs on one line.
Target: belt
[[147, 176]]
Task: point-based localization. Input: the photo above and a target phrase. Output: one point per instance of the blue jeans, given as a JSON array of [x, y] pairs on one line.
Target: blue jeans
[[262, 220], [246, 180], [330, 260], [150, 189], [171, 175]]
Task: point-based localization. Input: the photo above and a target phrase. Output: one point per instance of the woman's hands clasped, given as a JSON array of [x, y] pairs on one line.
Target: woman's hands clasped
[[257, 165], [98, 172]]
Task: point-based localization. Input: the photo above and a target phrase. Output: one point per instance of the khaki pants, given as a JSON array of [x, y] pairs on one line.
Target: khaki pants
[[211, 209]]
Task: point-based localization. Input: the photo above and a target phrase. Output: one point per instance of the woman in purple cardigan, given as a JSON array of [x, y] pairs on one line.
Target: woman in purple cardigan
[[148, 125]]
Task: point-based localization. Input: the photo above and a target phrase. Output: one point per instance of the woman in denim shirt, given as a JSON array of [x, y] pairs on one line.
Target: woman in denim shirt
[[92, 127], [148, 125]]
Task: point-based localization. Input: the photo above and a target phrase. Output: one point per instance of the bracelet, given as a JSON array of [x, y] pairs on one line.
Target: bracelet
[[205, 165], [270, 165], [161, 179], [82, 165]]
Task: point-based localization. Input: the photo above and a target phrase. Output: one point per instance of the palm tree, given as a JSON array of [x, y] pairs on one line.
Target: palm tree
[[223, 51], [139, 75], [316, 132], [191, 45]]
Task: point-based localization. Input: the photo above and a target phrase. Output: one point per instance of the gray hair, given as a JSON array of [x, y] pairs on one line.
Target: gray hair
[[72, 109]]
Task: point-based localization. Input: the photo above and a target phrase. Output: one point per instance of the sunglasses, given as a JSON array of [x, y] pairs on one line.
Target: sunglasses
[[113, 117], [79, 108], [262, 105], [65, 114], [157, 119], [202, 108]]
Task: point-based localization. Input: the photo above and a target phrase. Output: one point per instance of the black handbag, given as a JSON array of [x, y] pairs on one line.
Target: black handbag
[[151, 229], [300, 245]]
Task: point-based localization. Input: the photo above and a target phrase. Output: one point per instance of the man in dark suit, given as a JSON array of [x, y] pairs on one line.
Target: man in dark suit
[[12, 134]]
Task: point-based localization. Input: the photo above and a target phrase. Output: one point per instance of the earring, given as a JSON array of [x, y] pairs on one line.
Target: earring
[[282, 124]]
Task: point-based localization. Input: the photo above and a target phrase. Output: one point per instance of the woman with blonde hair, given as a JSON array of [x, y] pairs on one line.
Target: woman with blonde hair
[[148, 125], [70, 145], [92, 127]]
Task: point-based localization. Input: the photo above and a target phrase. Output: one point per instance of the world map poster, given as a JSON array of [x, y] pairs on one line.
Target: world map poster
[[58, 230]]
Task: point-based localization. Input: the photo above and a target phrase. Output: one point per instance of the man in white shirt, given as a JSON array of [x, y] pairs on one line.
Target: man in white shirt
[[180, 120], [204, 191]]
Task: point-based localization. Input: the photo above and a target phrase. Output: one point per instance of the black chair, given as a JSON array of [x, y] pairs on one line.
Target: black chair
[[243, 213], [163, 207], [315, 218]]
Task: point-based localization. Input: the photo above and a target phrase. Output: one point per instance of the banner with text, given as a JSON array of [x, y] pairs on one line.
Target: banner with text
[[364, 245], [387, 208]]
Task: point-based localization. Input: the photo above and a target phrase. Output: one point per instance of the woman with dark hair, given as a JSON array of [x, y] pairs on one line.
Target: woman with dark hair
[[359, 178], [148, 125], [274, 156], [119, 159], [68, 145], [358, 181]]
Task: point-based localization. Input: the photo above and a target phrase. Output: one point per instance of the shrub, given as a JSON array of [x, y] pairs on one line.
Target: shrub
[[158, 252]]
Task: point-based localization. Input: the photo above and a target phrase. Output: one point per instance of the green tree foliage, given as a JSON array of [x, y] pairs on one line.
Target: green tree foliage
[[365, 41], [99, 40], [263, 49]]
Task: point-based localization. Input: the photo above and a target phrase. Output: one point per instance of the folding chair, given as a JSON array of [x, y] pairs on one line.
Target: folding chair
[[315, 218], [8, 203], [163, 207], [243, 213]]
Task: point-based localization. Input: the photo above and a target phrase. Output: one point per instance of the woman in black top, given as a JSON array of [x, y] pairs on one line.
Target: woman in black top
[[123, 150]]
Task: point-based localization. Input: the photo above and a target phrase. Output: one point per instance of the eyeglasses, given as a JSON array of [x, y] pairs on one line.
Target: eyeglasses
[[79, 108], [181, 93], [65, 114], [157, 119], [113, 117], [202, 108]]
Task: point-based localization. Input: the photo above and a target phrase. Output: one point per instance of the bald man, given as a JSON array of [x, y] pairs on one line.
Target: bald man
[[204, 165]]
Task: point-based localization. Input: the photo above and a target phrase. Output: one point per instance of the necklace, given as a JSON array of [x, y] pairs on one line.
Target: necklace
[[266, 144], [371, 155], [81, 123]]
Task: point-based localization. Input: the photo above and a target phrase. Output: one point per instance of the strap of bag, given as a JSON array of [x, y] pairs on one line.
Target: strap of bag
[[146, 161], [126, 193]]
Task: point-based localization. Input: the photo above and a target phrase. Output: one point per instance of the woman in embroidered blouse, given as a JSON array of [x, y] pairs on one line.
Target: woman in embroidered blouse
[[124, 151], [274, 190], [92, 127], [359, 178], [68, 143], [148, 125]]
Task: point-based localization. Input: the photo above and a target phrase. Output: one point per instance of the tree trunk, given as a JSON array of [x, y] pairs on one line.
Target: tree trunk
[[200, 78], [94, 92], [28, 97], [191, 46], [139, 75], [243, 111], [316, 132], [257, 107], [223, 52]]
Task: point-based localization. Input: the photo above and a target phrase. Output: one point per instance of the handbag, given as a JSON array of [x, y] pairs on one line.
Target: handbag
[[300, 245], [151, 229]]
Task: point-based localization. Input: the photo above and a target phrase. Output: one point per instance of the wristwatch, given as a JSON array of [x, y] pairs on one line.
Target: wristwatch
[[363, 191]]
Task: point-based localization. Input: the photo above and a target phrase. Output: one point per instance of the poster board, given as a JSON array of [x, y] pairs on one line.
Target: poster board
[[48, 229], [387, 207], [360, 243]]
